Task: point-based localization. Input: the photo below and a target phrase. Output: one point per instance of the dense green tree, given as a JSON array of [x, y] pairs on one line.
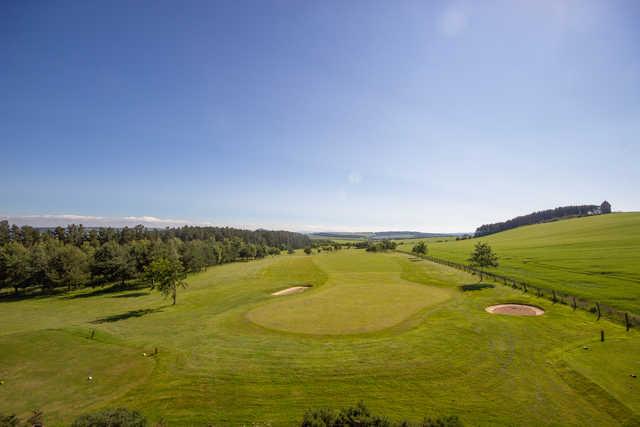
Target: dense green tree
[[122, 254], [166, 275], [483, 257], [248, 251], [113, 262], [307, 250], [75, 234], [14, 272], [5, 232], [68, 266], [194, 255], [38, 265], [28, 236], [420, 248]]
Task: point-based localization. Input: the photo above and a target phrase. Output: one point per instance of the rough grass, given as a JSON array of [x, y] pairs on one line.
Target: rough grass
[[597, 258], [216, 367]]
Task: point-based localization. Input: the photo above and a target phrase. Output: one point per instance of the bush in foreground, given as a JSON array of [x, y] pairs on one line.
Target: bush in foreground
[[119, 417], [360, 416], [9, 421]]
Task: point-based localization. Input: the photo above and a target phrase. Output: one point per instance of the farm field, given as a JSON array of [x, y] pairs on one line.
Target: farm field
[[597, 257], [396, 332]]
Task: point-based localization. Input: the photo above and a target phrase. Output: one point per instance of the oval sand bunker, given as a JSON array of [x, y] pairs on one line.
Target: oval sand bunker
[[293, 290], [515, 310]]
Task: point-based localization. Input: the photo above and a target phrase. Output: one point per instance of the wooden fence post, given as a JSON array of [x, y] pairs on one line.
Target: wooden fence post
[[555, 299], [598, 310], [601, 336], [626, 321], [574, 303]]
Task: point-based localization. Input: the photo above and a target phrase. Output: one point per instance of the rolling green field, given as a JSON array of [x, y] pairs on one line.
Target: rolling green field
[[396, 332], [597, 257]]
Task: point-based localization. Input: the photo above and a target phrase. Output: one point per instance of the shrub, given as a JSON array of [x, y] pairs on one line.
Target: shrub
[[119, 417], [9, 421], [451, 421], [360, 416]]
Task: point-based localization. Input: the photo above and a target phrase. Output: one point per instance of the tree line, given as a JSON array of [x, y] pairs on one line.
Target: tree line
[[75, 256], [543, 216]]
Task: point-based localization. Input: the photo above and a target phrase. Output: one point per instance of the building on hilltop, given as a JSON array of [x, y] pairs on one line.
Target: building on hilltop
[[605, 207]]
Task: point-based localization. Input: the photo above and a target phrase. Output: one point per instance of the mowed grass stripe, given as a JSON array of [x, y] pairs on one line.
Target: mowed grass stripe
[[217, 367]]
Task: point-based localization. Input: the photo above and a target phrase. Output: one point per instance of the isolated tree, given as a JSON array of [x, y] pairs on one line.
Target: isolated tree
[[307, 250], [420, 248], [166, 275], [483, 257]]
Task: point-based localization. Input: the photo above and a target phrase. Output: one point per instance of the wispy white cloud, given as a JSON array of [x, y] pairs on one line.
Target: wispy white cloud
[[55, 220]]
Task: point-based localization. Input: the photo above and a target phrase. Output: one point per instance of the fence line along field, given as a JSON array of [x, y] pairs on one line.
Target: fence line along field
[[231, 353], [596, 258]]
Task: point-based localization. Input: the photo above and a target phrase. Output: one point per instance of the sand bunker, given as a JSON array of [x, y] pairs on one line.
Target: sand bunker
[[293, 290], [515, 310]]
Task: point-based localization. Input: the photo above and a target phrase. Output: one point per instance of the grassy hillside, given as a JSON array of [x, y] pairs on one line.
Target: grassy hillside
[[219, 364], [594, 257]]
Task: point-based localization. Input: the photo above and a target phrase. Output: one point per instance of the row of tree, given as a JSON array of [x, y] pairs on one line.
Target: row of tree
[[77, 234], [380, 245], [543, 216], [50, 259]]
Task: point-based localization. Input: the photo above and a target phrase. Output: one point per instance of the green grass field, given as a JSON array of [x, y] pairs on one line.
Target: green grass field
[[597, 258], [232, 354]]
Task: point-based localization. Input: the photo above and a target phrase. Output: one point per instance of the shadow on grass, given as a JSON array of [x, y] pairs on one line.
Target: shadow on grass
[[475, 287], [127, 315], [11, 297], [119, 287], [131, 295]]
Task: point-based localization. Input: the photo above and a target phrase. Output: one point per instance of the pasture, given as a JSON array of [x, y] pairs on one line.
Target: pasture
[[396, 332], [597, 258]]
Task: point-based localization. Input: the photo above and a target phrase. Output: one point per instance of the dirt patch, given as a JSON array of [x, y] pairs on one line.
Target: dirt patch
[[293, 290], [515, 310]]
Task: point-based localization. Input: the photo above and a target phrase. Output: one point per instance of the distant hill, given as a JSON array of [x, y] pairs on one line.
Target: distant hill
[[596, 257], [544, 216], [380, 235]]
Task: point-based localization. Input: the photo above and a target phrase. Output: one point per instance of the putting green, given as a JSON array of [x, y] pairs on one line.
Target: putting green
[[349, 304]]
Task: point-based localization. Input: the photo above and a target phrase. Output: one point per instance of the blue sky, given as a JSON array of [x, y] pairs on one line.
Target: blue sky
[[358, 115]]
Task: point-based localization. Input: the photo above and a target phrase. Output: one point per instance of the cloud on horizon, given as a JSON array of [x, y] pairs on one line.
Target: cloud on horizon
[[55, 220], [62, 220]]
